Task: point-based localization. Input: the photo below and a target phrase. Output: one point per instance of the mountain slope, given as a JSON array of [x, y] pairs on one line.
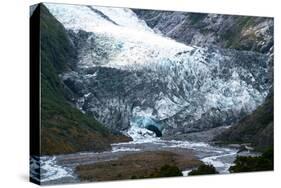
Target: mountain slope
[[64, 128], [225, 31], [256, 128], [128, 75], [202, 29]]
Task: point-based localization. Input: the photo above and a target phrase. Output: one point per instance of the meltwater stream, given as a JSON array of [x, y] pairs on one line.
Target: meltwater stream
[[61, 168], [130, 45]]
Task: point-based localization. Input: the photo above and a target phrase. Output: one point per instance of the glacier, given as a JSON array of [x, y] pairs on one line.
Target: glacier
[[127, 70]]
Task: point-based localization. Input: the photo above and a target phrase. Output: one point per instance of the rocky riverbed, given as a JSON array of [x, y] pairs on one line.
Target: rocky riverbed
[[122, 75], [147, 149]]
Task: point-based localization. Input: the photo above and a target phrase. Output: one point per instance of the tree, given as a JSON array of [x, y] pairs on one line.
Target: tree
[[203, 169], [250, 164]]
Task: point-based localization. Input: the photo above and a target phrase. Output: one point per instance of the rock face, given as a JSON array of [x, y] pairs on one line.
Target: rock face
[[256, 128], [200, 29], [126, 72]]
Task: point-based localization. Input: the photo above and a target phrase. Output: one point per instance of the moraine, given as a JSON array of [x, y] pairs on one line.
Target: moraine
[[61, 168], [131, 78], [126, 70]]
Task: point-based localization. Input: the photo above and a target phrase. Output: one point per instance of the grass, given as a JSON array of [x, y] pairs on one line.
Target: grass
[[148, 164]]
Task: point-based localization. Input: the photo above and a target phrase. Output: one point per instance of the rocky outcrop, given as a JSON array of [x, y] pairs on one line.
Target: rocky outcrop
[[127, 70], [202, 29], [180, 97]]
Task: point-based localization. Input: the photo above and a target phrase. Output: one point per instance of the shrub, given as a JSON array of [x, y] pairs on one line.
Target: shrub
[[169, 171], [250, 164], [164, 171], [203, 169]]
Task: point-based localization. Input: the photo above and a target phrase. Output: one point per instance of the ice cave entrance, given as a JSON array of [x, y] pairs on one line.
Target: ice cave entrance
[[147, 123]]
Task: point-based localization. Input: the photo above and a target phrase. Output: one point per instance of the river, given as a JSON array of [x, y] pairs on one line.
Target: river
[[61, 168]]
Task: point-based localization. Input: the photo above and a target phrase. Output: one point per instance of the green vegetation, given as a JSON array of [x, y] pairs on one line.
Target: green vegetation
[[164, 171], [64, 129], [148, 164], [203, 170], [233, 35], [196, 17], [250, 164], [256, 128], [167, 171]]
